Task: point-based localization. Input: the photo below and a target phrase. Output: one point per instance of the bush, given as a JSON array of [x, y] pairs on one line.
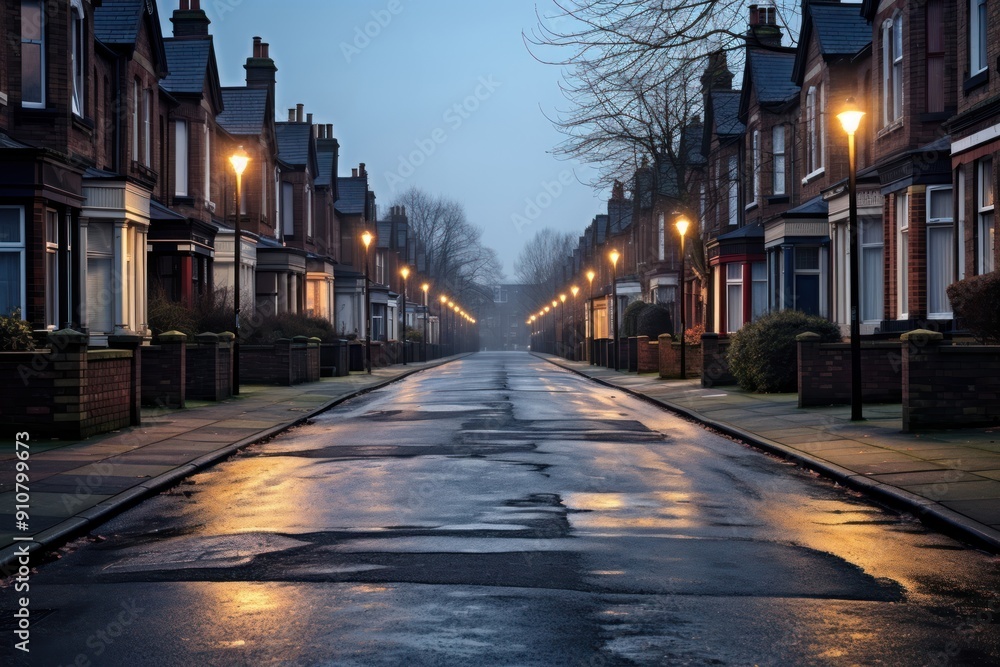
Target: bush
[[693, 335], [288, 325], [15, 333], [974, 301], [166, 315], [629, 323], [653, 320], [414, 335], [763, 355]]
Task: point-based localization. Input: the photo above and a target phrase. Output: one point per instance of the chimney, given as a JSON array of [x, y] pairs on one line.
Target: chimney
[[291, 115], [329, 130], [764, 24], [361, 171], [299, 108], [260, 69], [190, 20], [354, 173], [717, 75], [618, 191], [309, 118], [753, 15]]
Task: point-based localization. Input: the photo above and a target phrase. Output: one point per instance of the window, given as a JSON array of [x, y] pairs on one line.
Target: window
[[903, 253], [755, 156], [100, 285], [181, 158], [734, 297], [277, 204], [264, 187], [51, 269], [147, 127], [77, 54], [814, 142], [662, 246], [871, 273], [135, 120], [758, 294], [892, 69], [940, 251], [379, 267], [734, 191], [807, 295], [11, 260], [287, 208], [778, 148], [977, 36], [208, 164], [984, 201], [309, 211], [32, 54], [935, 55]]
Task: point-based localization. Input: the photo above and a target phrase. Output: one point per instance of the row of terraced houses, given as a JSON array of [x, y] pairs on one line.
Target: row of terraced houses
[[764, 172], [115, 179]]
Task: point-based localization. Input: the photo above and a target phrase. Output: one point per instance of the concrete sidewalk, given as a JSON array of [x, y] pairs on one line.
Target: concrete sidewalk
[[75, 486], [950, 479]]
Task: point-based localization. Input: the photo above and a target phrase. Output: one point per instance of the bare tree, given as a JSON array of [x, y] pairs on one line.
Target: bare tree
[[457, 260], [539, 261]]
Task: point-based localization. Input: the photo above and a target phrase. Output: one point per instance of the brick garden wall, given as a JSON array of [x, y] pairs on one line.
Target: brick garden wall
[[715, 367], [284, 363], [648, 354], [669, 362], [109, 392], [210, 368], [164, 370], [824, 372]]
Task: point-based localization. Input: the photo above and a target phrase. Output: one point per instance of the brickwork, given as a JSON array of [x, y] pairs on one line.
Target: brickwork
[[284, 363], [648, 355], [669, 358], [949, 386], [824, 372], [108, 392], [715, 366], [164, 372]]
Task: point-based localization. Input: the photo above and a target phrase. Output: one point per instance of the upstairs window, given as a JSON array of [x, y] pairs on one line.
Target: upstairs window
[[181, 158], [734, 190], [935, 55], [287, 209], [77, 55], [977, 36], [147, 127], [814, 138], [984, 206], [135, 120], [892, 69], [778, 149], [662, 245], [32, 54], [755, 157]]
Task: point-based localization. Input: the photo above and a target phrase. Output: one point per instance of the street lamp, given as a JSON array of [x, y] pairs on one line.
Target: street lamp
[[613, 256], [574, 290], [367, 238], [441, 323], [682, 227], [590, 315], [239, 160], [850, 118], [555, 328], [427, 311], [562, 321], [405, 272]]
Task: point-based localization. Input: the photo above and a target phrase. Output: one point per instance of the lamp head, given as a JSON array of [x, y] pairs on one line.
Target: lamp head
[[554, 303], [239, 160], [562, 297], [547, 309], [444, 299], [591, 275], [575, 290], [405, 272], [425, 287], [367, 238], [682, 225], [850, 117], [613, 256]]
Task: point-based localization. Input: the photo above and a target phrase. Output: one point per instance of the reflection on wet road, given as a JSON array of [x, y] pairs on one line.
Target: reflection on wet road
[[499, 510]]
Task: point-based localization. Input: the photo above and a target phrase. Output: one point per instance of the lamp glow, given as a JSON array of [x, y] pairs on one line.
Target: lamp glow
[[850, 117]]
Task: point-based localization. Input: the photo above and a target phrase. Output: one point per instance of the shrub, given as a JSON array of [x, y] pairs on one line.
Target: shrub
[[15, 333], [288, 325], [975, 300], [693, 335], [629, 323], [414, 335], [653, 320], [763, 355], [164, 314]]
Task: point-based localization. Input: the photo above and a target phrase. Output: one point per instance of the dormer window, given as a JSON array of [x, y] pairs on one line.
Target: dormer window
[[77, 54], [32, 54]]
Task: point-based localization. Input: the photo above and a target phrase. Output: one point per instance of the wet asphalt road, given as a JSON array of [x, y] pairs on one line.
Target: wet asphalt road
[[499, 510]]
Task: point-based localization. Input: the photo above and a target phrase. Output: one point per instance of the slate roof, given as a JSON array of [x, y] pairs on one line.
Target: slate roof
[[619, 215], [117, 21], [383, 234], [352, 192], [602, 227], [751, 231], [244, 110], [772, 75], [293, 142], [187, 60], [726, 107], [841, 30], [325, 155], [815, 207], [158, 211]]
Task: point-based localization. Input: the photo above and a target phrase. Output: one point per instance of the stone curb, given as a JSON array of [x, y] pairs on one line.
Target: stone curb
[[92, 517], [926, 510]]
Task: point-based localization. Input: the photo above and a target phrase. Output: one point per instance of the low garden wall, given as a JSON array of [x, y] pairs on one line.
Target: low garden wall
[[715, 367], [209, 365], [286, 362], [164, 371], [824, 371], [669, 358]]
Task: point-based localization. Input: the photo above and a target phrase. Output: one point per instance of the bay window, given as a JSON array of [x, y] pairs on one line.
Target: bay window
[[985, 218], [903, 253], [871, 242], [734, 296], [12, 295], [32, 54], [940, 251]]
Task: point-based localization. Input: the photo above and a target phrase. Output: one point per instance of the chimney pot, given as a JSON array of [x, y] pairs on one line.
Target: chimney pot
[[256, 47], [291, 115], [754, 17], [264, 48], [196, 5], [354, 173], [329, 130], [299, 108], [309, 118], [185, 5], [361, 170]]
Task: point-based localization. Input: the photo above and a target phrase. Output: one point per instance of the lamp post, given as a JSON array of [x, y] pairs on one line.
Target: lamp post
[[239, 160], [562, 323], [850, 118], [427, 312], [590, 316], [405, 272], [441, 324], [613, 256], [682, 227], [367, 238], [574, 290], [555, 327]]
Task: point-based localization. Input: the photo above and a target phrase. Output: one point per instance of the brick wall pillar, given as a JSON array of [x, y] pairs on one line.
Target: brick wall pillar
[[227, 349], [68, 358], [808, 346], [924, 384], [131, 342]]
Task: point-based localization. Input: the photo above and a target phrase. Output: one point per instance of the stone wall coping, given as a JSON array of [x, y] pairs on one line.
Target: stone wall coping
[[100, 355], [808, 337], [226, 336], [172, 337], [67, 336], [922, 334], [206, 338]]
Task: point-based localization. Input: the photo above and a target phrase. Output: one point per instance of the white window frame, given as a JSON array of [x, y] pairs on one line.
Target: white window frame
[[287, 208], [755, 164], [937, 224], [147, 127], [36, 104], [309, 212], [135, 120], [51, 269], [77, 55], [758, 279], [897, 66], [978, 60], [865, 247], [734, 281], [985, 215], [734, 191], [18, 247], [208, 165], [182, 148], [778, 150], [277, 204], [902, 255], [662, 245]]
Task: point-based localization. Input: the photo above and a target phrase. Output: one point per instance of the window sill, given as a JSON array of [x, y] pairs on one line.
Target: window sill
[[83, 124], [749, 207], [890, 128], [813, 176], [976, 81], [777, 199]]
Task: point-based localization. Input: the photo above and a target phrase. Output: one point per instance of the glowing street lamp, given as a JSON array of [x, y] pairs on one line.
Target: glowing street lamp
[[850, 118], [591, 274], [367, 237], [239, 160], [405, 272], [613, 256], [682, 225], [425, 288]]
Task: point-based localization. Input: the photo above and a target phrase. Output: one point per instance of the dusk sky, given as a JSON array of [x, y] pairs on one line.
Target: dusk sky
[[392, 101]]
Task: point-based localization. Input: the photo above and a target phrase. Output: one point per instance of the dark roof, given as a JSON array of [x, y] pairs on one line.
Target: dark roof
[[7, 141], [383, 234], [293, 142], [352, 191], [619, 215], [602, 227], [244, 110], [117, 21], [726, 108], [815, 207], [188, 61], [841, 30], [772, 75], [751, 231], [326, 155], [158, 211]]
